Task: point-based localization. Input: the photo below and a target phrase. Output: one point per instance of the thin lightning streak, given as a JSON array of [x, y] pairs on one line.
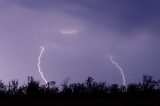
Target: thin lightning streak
[[120, 69], [39, 62]]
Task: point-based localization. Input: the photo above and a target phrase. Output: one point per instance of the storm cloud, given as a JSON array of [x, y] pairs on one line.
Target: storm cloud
[[78, 36]]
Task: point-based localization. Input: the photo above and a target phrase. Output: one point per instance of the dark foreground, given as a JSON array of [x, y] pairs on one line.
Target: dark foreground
[[82, 102], [88, 93]]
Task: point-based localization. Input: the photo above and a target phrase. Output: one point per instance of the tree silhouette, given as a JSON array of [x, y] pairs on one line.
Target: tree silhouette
[[89, 89], [33, 88], [148, 83]]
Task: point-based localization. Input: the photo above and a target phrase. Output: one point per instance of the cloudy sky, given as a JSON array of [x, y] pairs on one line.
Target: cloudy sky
[[78, 36]]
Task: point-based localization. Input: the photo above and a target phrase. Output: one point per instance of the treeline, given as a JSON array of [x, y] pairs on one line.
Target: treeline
[[148, 88]]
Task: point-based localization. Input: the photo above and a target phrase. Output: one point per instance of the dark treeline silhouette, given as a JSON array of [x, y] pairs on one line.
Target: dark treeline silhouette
[[148, 88]]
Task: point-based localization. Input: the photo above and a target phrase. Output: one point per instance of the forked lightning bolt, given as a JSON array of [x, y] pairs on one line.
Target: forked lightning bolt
[[39, 62], [120, 69]]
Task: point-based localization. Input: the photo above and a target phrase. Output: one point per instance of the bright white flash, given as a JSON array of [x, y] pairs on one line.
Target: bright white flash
[[69, 32], [39, 62], [120, 69]]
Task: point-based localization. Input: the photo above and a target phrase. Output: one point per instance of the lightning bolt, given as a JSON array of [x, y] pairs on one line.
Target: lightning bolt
[[120, 69], [39, 62]]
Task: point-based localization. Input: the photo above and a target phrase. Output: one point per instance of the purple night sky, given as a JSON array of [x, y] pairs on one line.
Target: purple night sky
[[78, 36]]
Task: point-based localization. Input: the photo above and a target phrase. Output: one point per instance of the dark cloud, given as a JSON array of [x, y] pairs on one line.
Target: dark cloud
[[124, 16]]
